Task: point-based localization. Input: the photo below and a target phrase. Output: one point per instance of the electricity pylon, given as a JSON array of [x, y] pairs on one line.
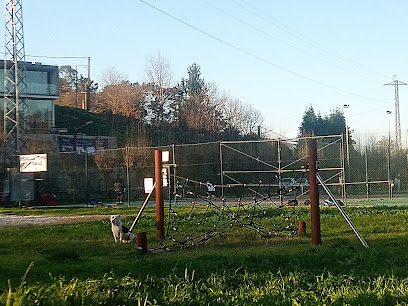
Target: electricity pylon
[[396, 83], [15, 88]]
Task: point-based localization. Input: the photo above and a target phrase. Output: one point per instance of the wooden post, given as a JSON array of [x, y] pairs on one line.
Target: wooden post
[[314, 193], [142, 241], [158, 165], [302, 228]]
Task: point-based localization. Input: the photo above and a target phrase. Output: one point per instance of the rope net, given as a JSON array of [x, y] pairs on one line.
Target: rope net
[[195, 215]]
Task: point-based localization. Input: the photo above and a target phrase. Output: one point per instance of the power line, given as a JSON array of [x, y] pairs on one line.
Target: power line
[[269, 35], [275, 38], [260, 58], [48, 56], [303, 37]]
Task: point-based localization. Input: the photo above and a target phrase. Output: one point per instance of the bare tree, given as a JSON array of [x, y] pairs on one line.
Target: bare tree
[[124, 99], [112, 76], [106, 161], [242, 117], [159, 77], [253, 118]]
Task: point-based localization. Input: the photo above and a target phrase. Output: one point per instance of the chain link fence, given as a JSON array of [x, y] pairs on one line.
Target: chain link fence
[[79, 178]]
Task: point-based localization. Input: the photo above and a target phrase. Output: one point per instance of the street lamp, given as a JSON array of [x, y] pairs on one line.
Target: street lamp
[[76, 132], [389, 153], [86, 154], [346, 106], [389, 130]]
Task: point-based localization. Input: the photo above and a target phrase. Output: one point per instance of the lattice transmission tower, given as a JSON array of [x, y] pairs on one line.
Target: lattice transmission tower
[[15, 88], [396, 83]]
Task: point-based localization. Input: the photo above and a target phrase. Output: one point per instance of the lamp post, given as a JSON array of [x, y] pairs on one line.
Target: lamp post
[[346, 106], [76, 132], [86, 155], [389, 131], [389, 154]]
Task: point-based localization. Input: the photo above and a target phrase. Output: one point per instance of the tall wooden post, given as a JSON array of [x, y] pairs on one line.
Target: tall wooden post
[[314, 193], [158, 166]]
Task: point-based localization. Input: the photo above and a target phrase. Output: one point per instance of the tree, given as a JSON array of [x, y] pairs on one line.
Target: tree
[[112, 76], [242, 117], [201, 107], [71, 86], [123, 99], [159, 76], [194, 84], [331, 124], [69, 92]]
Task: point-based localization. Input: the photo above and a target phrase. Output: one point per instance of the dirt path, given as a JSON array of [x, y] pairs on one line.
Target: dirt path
[[14, 220]]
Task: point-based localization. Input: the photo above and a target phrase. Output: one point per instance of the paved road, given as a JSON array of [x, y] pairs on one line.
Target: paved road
[[14, 220]]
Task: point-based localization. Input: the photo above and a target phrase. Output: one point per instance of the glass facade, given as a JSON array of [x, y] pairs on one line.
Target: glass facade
[[42, 88]]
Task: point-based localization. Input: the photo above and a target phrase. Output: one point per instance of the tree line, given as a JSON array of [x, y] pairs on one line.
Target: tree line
[[191, 107]]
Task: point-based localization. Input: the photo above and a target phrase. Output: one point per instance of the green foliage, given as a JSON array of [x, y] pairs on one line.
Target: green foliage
[[318, 125], [124, 129], [78, 264]]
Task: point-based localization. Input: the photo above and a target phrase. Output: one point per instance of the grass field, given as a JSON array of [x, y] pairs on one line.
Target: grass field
[[78, 264]]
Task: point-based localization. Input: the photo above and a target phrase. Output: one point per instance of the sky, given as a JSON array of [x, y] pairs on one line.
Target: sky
[[280, 57]]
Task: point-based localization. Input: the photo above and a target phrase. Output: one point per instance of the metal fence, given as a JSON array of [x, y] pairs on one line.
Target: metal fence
[[79, 178]]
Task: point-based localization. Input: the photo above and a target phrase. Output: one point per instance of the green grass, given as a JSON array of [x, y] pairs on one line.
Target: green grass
[[79, 264]]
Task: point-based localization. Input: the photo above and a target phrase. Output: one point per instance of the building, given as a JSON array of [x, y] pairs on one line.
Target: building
[[42, 89]]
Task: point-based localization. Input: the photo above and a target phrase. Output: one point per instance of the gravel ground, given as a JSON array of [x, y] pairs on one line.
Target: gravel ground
[[13, 220]]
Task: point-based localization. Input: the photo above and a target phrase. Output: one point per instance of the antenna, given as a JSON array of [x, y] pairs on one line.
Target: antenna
[[15, 88], [396, 83]]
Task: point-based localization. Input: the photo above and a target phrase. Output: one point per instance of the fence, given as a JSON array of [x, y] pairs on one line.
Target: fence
[[76, 178]]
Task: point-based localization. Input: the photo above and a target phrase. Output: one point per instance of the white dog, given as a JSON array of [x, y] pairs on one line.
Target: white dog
[[119, 231]]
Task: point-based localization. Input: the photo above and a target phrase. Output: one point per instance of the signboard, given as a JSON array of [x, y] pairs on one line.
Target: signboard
[[165, 177], [33, 163], [165, 156], [148, 184]]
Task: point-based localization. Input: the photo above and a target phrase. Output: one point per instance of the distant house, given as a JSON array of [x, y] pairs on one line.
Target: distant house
[[42, 89]]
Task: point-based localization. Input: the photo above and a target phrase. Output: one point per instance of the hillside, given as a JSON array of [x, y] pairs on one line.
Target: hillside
[[133, 131], [102, 124]]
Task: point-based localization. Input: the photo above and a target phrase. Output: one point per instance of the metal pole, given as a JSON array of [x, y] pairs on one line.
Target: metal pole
[[367, 184], [221, 171], [280, 173], [88, 87], [86, 174], [127, 174], [389, 156], [158, 165], [142, 208], [343, 213], [174, 172], [314, 193], [342, 180], [347, 142]]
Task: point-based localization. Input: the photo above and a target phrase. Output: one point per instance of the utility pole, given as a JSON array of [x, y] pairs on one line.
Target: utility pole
[[396, 83], [88, 87]]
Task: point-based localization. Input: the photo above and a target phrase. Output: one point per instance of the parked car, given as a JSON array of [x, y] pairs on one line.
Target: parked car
[[304, 182], [328, 202], [288, 182]]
